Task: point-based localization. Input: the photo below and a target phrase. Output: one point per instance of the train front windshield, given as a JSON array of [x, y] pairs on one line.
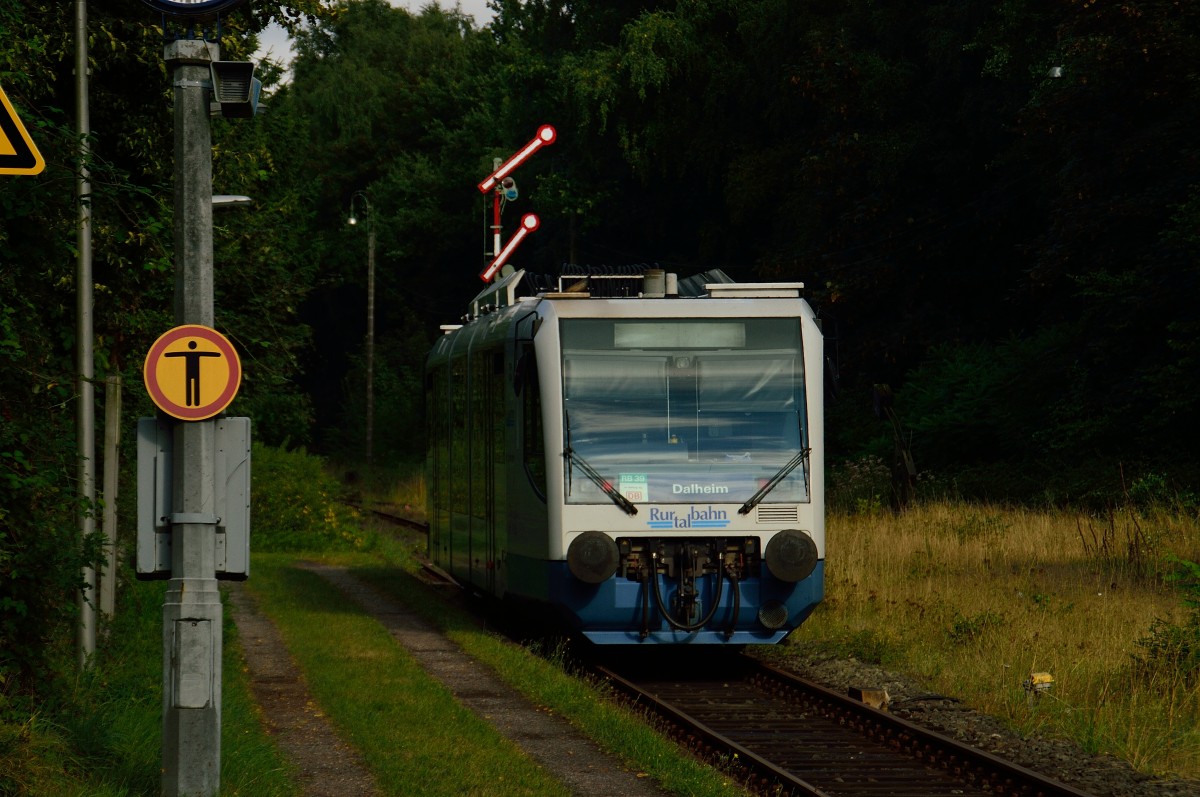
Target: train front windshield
[[684, 411]]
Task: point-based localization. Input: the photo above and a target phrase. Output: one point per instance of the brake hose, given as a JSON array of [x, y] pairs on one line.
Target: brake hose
[[737, 604], [663, 609]]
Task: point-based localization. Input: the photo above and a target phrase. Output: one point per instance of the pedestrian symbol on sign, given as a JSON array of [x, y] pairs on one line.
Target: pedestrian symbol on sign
[[191, 359], [192, 372]]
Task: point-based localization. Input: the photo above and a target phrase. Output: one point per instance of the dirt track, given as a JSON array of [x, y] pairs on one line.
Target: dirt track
[[328, 766]]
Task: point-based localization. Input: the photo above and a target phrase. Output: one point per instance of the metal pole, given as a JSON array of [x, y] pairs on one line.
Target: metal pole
[[192, 638], [85, 420], [370, 336], [370, 452], [496, 213]]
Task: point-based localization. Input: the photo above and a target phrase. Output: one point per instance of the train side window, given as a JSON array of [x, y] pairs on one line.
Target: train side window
[[438, 440], [533, 449], [459, 450], [479, 432]]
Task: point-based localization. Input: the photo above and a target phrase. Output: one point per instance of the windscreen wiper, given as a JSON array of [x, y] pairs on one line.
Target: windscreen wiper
[[775, 480], [624, 503]]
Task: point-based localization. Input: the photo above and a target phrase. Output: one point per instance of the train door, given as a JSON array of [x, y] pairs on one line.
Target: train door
[[519, 460]]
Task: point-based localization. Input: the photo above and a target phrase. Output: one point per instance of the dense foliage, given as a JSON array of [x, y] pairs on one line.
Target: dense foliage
[[302, 506], [40, 555], [1014, 253]]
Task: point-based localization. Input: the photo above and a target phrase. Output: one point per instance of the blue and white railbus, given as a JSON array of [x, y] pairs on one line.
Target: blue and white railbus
[[649, 466]]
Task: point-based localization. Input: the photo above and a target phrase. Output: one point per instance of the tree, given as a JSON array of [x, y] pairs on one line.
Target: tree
[[40, 559], [400, 107]]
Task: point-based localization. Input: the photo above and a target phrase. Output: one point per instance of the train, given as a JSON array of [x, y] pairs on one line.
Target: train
[[637, 455]]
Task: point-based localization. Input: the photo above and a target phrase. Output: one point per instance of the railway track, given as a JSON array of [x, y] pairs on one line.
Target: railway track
[[784, 735], [789, 736], [392, 518]]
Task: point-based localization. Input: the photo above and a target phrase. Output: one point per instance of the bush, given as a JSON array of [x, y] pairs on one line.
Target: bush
[[296, 506], [40, 553], [858, 486], [1173, 649], [972, 630]]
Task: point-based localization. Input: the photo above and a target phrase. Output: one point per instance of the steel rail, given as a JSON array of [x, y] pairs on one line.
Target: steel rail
[[813, 705], [1018, 777], [395, 520], [800, 730], [766, 771]]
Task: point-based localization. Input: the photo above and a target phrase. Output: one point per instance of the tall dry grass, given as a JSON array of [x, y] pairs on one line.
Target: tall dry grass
[[408, 489], [972, 599]]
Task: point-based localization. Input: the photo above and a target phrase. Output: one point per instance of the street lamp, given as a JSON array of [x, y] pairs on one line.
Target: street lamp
[[230, 200], [353, 220]]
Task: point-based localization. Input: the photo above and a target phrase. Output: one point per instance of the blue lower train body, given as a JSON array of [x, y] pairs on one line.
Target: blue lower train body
[[617, 611]]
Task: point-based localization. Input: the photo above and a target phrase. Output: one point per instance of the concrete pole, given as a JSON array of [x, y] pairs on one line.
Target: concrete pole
[[192, 638], [85, 419], [108, 486]]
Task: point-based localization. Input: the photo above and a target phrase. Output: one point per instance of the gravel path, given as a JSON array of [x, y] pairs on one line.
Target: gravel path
[[328, 767]]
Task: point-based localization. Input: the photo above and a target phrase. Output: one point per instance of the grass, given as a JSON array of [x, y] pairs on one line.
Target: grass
[[544, 682], [973, 599], [408, 491], [383, 485], [970, 599], [385, 703], [100, 735], [410, 730]]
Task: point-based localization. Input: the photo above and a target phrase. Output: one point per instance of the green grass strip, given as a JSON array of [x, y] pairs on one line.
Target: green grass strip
[[616, 729], [412, 733]]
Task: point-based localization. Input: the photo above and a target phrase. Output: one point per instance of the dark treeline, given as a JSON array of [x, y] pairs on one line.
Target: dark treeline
[[1012, 251], [995, 206]]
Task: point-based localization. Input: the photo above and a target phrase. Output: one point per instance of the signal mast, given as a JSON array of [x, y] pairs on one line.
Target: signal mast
[[505, 190]]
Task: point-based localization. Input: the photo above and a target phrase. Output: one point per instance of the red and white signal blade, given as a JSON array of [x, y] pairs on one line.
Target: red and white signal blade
[[529, 223], [545, 135]]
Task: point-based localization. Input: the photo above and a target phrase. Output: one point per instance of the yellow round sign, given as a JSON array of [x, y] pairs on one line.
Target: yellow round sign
[[192, 372]]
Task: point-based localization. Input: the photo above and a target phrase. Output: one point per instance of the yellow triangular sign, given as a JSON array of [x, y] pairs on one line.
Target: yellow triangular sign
[[18, 153]]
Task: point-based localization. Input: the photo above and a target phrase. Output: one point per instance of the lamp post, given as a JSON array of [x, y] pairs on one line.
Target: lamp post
[[85, 418], [362, 196]]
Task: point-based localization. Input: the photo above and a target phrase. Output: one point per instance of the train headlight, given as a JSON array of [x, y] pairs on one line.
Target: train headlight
[[791, 555], [592, 557], [773, 615]]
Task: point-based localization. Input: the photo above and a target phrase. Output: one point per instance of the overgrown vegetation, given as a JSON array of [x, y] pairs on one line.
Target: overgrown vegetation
[[1171, 650], [98, 733], [298, 506], [972, 599]]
